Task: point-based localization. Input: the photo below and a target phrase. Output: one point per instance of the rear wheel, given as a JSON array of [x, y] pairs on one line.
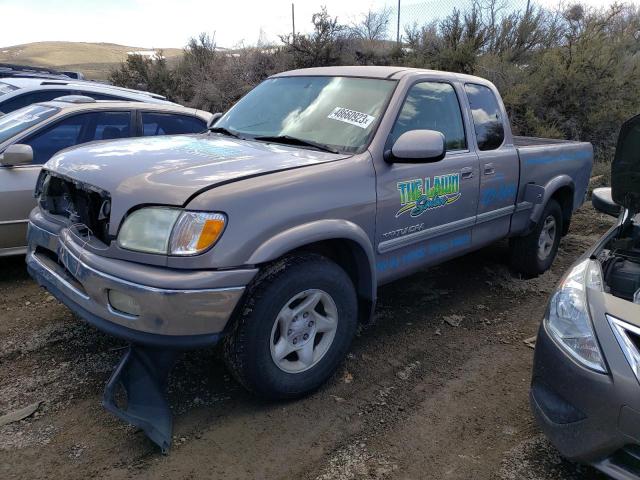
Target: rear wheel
[[534, 253], [294, 328]]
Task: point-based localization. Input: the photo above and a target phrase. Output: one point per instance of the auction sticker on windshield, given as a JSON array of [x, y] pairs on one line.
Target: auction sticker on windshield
[[351, 117]]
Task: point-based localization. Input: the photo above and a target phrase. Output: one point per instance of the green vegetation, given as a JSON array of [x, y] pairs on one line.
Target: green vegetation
[[570, 74]]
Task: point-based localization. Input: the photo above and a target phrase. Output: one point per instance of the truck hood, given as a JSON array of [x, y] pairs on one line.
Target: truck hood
[[170, 170], [625, 168]]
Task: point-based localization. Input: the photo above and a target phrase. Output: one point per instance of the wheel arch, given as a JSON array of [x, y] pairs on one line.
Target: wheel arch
[[342, 241], [561, 189]]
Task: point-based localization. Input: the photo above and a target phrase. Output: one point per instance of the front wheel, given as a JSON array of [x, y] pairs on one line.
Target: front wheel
[[294, 328], [534, 253]]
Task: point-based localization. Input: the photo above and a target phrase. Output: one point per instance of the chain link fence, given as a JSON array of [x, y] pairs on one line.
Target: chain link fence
[[400, 15], [406, 14]]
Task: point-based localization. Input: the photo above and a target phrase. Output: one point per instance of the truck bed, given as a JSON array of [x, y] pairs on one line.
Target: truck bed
[[522, 142], [542, 159]]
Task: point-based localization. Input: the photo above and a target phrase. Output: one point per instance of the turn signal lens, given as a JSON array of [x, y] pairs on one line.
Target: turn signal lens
[[210, 233], [195, 232]]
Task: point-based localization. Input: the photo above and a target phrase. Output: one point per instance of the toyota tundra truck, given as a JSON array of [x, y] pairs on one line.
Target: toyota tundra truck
[[271, 232]]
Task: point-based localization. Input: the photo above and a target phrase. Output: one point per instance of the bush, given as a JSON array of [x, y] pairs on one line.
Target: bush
[[568, 74]]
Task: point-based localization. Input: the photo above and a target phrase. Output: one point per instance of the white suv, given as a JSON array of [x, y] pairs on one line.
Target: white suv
[[18, 92]]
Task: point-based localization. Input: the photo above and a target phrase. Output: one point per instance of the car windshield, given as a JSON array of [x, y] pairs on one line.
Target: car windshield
[[19, 120], [337, 112], [6, 88]]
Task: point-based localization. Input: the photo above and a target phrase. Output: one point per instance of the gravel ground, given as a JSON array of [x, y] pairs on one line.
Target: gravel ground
[[436, 388]]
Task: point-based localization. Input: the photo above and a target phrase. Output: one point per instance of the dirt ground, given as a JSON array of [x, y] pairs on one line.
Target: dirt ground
[[418, 397]]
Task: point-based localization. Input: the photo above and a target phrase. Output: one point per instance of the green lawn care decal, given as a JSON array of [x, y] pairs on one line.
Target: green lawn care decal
[[418, 195]]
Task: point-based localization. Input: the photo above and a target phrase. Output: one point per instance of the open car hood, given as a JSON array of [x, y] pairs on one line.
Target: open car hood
[[625, 169]]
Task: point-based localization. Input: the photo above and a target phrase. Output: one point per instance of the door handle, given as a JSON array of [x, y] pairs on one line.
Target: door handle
[[489, 169], [466, 172]]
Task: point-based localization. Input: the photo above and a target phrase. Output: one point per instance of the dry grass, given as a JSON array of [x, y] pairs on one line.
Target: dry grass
[[95, 60]]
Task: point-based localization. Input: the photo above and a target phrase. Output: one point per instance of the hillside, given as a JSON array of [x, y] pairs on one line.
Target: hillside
[[95, 60]]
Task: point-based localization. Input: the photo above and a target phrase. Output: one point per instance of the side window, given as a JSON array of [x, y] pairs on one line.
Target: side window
[[78, 129], [109, 126], [487, 116], [170, 124], [31, 97], [432, 106], [63, 134]]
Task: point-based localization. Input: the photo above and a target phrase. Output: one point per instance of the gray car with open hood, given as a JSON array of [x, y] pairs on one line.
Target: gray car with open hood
[[273, 231], [585, 389]]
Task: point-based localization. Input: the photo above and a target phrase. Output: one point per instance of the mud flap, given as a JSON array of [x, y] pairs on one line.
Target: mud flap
[[143, 373]]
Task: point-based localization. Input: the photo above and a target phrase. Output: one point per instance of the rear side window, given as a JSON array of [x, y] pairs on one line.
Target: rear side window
[[432, 106], [29, 98], [109, 126], [101, 96], [170, 124], [487, 116], [76, 130]]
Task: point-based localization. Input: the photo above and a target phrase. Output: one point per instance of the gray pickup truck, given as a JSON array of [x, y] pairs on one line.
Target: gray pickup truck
[[273, 231]]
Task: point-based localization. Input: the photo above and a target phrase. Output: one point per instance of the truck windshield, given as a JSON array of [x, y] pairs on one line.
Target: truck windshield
[[337, 112], [19, 120]]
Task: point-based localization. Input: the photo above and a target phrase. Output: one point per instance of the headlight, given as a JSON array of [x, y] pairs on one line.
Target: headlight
[[568, 320], [170, 231]]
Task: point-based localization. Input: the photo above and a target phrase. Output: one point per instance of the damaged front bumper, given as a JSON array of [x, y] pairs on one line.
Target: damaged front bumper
[[175, 310]]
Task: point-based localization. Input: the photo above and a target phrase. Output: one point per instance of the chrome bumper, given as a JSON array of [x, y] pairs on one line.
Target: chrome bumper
[[169, 317]]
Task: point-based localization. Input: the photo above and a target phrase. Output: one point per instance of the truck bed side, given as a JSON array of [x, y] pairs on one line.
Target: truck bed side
[[548, 166]]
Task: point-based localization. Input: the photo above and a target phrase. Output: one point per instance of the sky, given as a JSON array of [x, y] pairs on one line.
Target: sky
[[170, 23]]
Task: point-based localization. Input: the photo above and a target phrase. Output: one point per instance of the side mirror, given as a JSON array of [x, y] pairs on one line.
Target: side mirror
[[214, 119], [603, 202], [417, 146], [17, 154]]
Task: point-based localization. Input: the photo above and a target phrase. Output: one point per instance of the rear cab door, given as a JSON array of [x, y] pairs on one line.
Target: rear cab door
[[498, 163], [426, 211]]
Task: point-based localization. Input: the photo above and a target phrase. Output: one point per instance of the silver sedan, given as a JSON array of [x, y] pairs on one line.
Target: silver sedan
[[32, 135]]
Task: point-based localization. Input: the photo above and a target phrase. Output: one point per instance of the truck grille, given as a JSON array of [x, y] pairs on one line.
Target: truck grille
[[85, 206]]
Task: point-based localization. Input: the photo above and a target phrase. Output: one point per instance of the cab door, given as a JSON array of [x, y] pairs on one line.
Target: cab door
[[426, 211], [499, 165]]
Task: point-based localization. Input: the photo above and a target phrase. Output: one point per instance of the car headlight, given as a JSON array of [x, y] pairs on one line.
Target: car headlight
[[568, 319], [171, 231]]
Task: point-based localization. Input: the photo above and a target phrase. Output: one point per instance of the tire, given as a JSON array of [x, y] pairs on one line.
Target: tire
[[254, 350], [528, 256]]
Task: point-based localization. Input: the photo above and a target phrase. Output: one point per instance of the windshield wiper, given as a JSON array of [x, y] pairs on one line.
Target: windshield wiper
[[288, 140], [225, 131]]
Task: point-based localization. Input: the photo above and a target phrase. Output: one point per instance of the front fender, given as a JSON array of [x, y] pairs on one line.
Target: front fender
[[314, 232]]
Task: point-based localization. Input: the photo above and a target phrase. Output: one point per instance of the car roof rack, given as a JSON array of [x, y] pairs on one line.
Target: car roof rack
[[84, 83], [12, 70]]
